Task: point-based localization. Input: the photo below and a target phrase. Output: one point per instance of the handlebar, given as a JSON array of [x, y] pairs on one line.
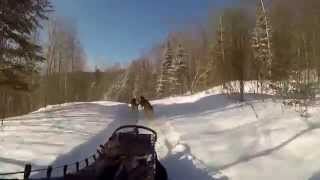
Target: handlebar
[[137, 127]]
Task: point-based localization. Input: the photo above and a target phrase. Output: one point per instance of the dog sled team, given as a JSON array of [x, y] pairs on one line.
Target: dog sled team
[[145, 105]]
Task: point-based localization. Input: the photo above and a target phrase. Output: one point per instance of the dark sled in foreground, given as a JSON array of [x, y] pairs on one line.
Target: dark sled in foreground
[[129, 154]]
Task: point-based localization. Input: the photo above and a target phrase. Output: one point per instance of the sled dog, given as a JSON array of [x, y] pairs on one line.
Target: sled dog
[[134, 105], [147, 108]]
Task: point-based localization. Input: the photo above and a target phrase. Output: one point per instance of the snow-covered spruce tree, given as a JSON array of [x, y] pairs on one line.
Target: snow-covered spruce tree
[[261, 44], [174, 83], [178, 72], [163, 87]]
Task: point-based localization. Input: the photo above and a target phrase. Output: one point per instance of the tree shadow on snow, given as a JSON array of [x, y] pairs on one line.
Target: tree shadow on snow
[[267, 151]]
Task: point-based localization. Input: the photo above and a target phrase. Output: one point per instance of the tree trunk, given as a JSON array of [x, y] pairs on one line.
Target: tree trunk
[[241, 90], [66, 87], [4, 100]]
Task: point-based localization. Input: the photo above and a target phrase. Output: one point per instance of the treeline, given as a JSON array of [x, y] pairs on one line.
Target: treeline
[[276, 44], [36, 73], [57, 89]]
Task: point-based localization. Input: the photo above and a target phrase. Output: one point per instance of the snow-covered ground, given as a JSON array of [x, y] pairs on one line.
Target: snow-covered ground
[[251, 140], [59, 134], [206, 136]]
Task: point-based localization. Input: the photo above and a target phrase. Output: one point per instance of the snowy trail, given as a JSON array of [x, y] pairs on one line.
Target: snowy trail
[[199, 135]]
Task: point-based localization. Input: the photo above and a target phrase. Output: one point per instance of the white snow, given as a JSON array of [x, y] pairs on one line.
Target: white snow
[[58, 134], [205, 136], [250, 140]]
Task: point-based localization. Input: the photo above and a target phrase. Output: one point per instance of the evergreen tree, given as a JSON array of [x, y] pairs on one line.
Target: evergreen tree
[[261, 44], [178, 72], [163, 87], [19, 55]]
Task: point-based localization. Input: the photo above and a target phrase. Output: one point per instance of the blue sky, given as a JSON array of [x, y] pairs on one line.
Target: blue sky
[[120, 30]]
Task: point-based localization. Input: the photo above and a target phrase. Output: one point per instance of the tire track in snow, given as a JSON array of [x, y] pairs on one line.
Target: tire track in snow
[[267, 151]]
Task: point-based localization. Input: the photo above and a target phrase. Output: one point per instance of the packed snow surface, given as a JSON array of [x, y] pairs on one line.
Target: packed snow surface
[[205, 136]]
